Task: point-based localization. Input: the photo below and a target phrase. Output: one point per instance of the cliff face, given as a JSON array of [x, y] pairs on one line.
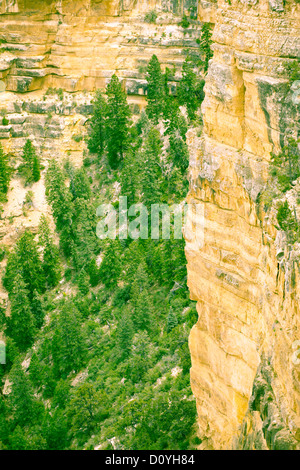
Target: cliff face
[[245, 280], [75, 46], [78, 45]]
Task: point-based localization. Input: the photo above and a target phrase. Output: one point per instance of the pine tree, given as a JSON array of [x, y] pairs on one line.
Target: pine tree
[[80, 185], [117, 122], [83, 283], [36, 170], [30, 263], [143, 311], [4, 174], [25, 259], [85, 409], [18, 440], [288, 222], [51, 260], [68, 348], [205, 46], [152, 177], [28, 152], [86, 243], [60, 198], [141, 350], [36, 371], [37, 309], [94, 273], [110, 268], [21, 325], [124, 335], [30, 169], [178, 152], [155, 89], [21, 397], [130, 177], [171, 320], [96, 142], [190, 89]]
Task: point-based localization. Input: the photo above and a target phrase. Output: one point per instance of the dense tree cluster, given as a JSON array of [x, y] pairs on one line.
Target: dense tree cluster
[[110, 357]]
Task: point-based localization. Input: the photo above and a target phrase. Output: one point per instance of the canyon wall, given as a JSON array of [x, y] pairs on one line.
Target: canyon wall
[[245, 278], [55, 54]]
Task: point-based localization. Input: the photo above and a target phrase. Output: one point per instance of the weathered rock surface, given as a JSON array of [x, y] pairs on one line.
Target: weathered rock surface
[[243, 361]]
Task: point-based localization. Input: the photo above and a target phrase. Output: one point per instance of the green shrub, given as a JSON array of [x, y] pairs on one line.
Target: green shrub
[[2, 253], [293, 70], [184, 23], [77, 137], [150, 17]]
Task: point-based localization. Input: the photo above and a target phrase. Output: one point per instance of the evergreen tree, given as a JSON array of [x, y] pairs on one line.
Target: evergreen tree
[[110, 268], [205, 46], [36, 170], [51, 260], [31, 264], [130, 177], [124, 335], [30, 169], [80, 185], [17, 439], [152, 177], [28, 152], [86, 243], [36, 371], [25, 259], [190, 89], [4, 174], [143, 311], [21, 398], [141, 355], [60, 198], [171, 320], [117, 122], [96, 141], [68, 348], [37, 309], [56, 429], [21, 324], [85, 410], [83, 283], [94, 273], [178, 152], [155, 89]]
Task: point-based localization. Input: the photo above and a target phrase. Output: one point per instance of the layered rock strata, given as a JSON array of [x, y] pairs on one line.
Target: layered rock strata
[[245, 277]]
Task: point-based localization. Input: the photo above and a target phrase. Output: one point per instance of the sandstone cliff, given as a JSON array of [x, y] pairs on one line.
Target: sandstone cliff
[[245, 278], [55, 54]]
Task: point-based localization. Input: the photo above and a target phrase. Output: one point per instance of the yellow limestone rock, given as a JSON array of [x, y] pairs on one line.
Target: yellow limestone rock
[[247, 297]]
